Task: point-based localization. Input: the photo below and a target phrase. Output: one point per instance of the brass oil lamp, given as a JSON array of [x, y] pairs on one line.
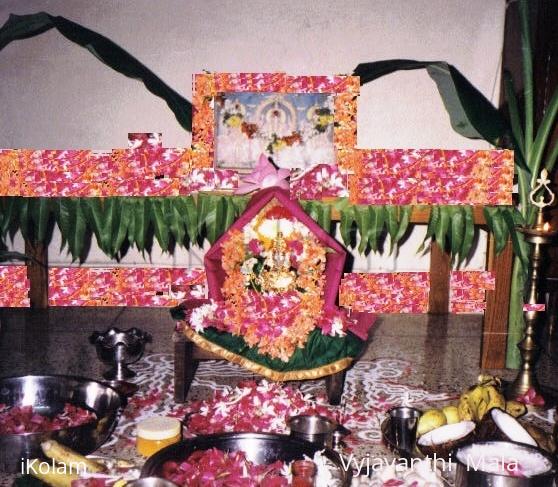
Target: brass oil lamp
[[539, 234]]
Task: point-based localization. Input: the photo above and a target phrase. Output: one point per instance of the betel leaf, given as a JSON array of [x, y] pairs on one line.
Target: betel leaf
[[25, 26]]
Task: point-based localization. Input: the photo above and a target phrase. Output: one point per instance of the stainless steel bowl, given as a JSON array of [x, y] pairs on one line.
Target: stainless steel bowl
[[260, 448], [48, 394], [313, 428], [468, 474]]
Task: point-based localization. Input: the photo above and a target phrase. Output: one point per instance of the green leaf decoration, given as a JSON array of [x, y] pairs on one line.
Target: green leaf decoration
[[433, 220], [376, 215], [230, 214], [26, 26], [347, 218], [214, 218], [177, 220], [404, 219], [24, 220], [141, 222], [40, 215], [78, 228], [159, 223], [520, 247], [126, 220], [468, 235], [189, 211], [392, 223], [457, 231], [362, 219], [497, 225], [8, 210], [442, 226], [471, 113]]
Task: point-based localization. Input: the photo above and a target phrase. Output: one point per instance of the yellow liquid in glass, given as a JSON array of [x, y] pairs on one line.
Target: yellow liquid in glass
[[147, 447]]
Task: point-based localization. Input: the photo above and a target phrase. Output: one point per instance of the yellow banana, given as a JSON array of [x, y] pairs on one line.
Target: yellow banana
[[516, 408]]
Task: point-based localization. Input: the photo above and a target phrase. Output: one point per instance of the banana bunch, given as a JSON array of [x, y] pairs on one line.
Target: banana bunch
[[484, 396]]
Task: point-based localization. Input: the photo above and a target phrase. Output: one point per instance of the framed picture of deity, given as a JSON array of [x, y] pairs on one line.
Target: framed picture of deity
[[299, 122]]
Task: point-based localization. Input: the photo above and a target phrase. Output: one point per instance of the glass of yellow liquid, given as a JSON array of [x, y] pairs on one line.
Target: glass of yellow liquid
[[153, 434]]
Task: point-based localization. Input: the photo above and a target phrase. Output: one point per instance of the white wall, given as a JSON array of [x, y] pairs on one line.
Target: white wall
[[55, 94]]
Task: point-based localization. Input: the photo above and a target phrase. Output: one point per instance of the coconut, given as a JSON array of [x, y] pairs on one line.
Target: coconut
[[441, 441], [510, 428]]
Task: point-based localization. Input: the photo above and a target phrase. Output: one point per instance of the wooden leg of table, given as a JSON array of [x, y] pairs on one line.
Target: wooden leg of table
[[440, 270], [334, 387], [495, 325], [184, 368], [37, 273]]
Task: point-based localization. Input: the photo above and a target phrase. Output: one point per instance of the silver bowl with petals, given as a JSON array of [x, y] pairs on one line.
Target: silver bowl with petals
[[48, 394]]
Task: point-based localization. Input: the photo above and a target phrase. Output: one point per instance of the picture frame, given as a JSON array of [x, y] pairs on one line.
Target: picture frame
[[299, 110]]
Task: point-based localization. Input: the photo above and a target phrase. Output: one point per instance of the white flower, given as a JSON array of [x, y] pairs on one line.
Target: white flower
[[337, 327], [268, 229], [248, 266], [199, 316]]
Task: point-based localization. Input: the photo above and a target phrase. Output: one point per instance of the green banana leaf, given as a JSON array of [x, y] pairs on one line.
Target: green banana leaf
[[24, 26], [471, 113]]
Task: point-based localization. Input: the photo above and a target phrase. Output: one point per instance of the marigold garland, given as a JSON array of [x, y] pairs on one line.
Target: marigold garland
[[276, 321]]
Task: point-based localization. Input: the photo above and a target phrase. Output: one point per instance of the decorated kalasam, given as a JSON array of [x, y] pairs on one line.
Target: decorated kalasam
[[273, 279]]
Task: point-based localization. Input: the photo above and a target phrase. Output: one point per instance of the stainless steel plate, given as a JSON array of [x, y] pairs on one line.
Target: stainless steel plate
[[260, 448]]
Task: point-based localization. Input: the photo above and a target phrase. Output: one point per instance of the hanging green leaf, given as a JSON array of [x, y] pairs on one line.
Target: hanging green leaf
[[214, 219], [177, 219], [469, 235], [25, 26], [63, 219], [24, 220], [100, 216], [141, 222], [497, 225], [376, 215], [433, 220], [9, 210], [457, 231], [240, 203], [159, 224], [347, 218], [362, 218], [392, 221], [78, 229], [230, 213], [189, 211], [442, 226], [520, 247], [404, 220], [126, 221]]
